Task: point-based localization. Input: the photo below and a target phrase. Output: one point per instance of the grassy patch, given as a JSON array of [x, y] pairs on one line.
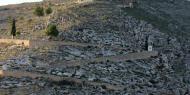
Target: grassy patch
[[9, 51]]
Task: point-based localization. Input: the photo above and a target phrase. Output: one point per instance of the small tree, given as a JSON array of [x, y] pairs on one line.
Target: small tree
[[39, 11], [49, 10], [13, 29], [52, 30]]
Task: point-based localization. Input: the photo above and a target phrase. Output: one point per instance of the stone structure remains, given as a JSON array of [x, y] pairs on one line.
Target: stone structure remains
[[25, 43], [149, 43]]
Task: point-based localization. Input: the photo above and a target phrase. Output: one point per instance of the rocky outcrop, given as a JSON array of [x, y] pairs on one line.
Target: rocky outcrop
[[38, 27]]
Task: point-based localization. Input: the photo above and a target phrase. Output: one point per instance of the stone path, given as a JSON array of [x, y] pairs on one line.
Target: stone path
[[35, 43], [20, 74], [131, 56]]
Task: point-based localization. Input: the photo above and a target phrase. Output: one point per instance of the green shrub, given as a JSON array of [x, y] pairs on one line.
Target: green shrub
[[49, 10], [18, 33], [39, 11], [104, 17], [52, 30]]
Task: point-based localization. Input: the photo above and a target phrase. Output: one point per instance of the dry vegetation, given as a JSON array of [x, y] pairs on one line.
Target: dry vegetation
[[10, 51]]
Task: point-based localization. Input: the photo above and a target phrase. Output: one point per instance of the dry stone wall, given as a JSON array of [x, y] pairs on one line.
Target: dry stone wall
[[16, 41]]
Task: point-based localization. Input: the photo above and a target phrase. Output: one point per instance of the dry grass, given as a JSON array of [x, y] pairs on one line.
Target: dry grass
[[9, 51], [20, 90]]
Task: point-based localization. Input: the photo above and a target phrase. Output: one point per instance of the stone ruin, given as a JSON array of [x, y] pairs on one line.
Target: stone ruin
[[149, 43]]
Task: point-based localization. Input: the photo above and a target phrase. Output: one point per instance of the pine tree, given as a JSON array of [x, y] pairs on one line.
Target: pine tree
[[13, 29]]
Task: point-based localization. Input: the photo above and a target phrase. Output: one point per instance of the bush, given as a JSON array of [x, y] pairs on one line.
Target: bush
[[52, 30], [18, 33], [49, 10], [39, 11]]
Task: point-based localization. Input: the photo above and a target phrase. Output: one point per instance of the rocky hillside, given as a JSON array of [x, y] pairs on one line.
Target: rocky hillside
[[169, 16], [98, 31]]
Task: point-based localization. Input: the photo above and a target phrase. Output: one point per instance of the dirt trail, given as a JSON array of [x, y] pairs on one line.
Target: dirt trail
[[130, 56], [20, 74], [35, 43]]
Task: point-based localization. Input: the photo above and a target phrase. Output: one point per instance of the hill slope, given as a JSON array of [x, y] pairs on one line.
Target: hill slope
[[96, 32]]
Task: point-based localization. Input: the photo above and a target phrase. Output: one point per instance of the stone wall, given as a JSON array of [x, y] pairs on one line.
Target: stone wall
[[28, 43], [16, 41], [38, 43]]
